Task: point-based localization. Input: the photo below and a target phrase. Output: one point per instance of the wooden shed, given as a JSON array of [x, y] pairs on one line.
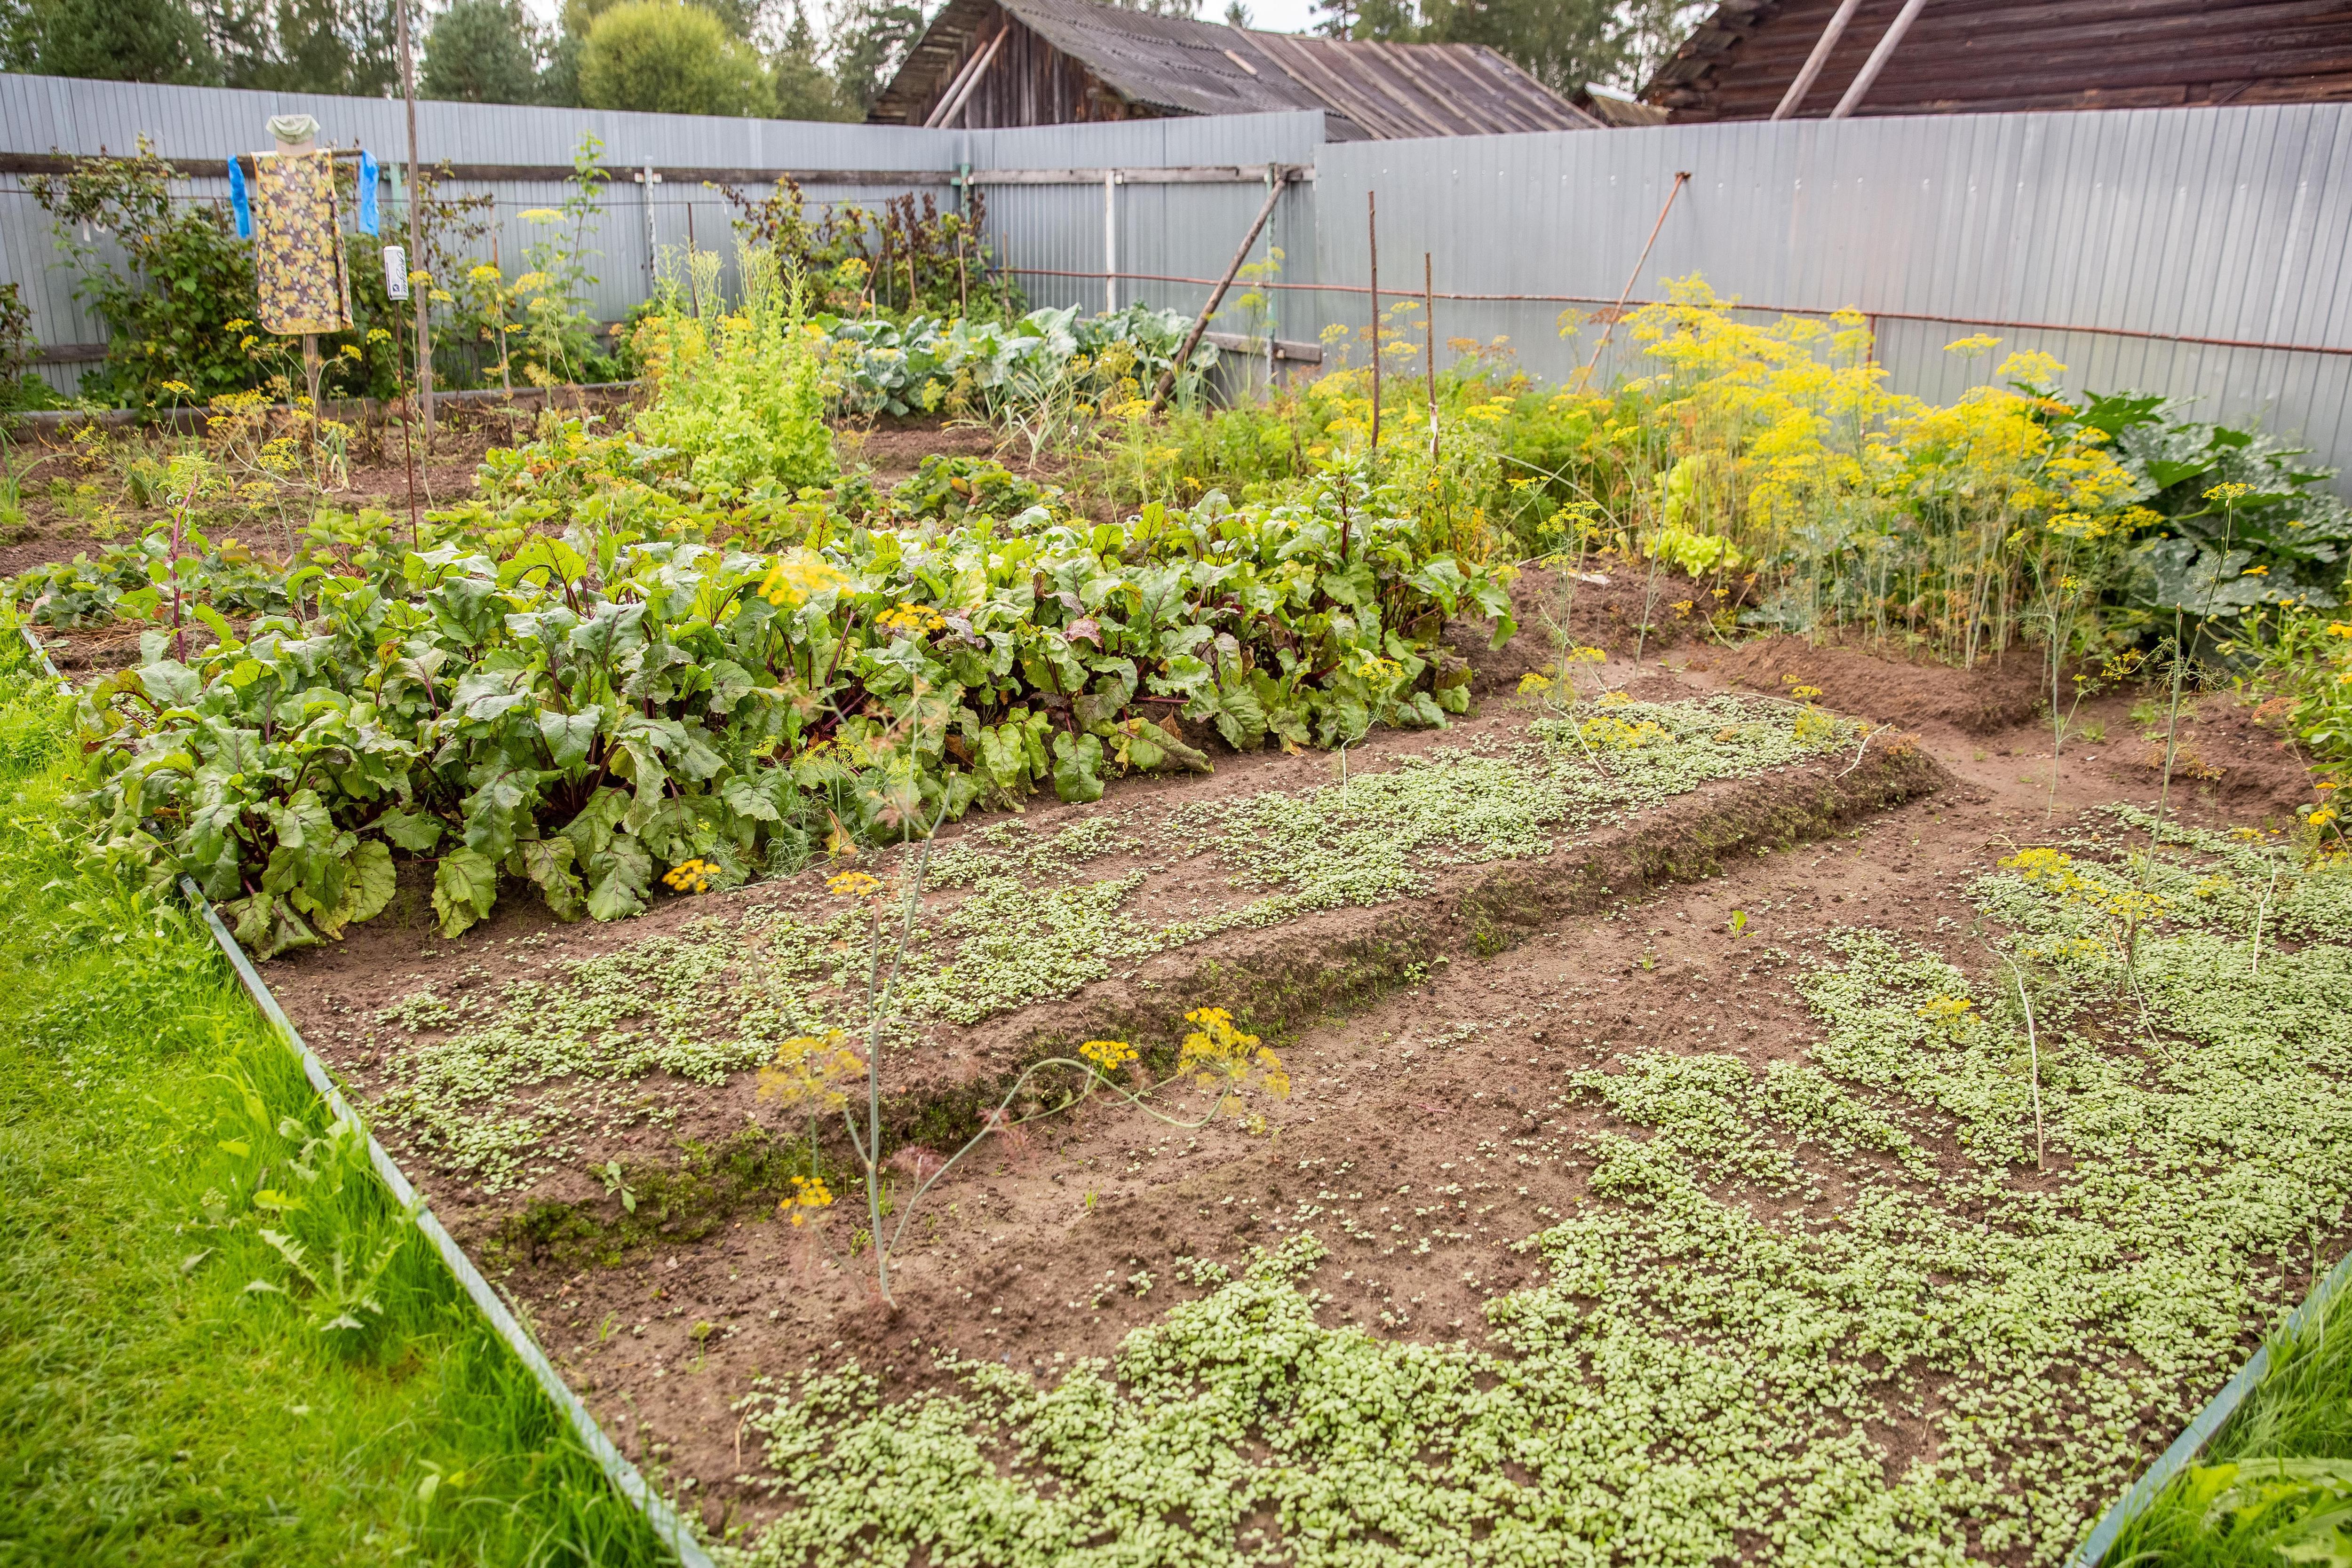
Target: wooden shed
[[1054, 62], [1949, 56]]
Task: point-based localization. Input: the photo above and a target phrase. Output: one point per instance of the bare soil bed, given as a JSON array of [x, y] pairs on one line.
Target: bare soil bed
[[1432, 1041]]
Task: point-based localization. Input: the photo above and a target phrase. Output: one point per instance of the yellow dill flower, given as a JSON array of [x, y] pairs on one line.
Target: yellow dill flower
[[850, 884], [691, 875], [808, 1193], [1108, 1054], [1532, 682], [808, 1069]]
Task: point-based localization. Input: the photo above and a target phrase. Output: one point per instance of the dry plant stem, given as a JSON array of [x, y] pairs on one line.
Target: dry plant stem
[[1373, 238], [1094, 1077], [2260, 910], [1868, 736], [179, 519], [2058, 727], [2172, 712], [869, 1149], [1649, 603], [2033, 1055]]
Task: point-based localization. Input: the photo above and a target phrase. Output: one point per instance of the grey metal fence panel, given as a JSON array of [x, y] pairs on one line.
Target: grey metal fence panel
[[1172, 231], [204, 127], [2226, 223], [1179, 230]]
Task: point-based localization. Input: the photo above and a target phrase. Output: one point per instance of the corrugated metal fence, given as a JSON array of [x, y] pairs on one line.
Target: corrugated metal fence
[[2137, 229], [2114, 241]]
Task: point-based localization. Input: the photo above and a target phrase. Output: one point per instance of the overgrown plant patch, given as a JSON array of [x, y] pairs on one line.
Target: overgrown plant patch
[[1824, 1305]]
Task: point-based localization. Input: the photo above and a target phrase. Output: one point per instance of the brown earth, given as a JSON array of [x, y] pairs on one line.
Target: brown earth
[[1422, 1037]]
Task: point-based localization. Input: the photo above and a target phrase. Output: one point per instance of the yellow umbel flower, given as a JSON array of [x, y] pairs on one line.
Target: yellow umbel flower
[[808, 1193], [1108, 1054]]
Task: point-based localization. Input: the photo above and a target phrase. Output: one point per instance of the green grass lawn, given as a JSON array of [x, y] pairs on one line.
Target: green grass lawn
[[220, 1343], [2274, 1488]]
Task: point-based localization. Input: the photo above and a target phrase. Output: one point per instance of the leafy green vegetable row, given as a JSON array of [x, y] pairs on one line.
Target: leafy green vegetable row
[[582, 712]]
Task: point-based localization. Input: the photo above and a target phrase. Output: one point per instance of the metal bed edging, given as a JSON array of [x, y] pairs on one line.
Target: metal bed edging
[[625, 1476], [616, 1467], [2209, 1421]]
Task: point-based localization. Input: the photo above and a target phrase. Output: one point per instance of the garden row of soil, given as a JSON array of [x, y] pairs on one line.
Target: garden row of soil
[[1419, 1036]]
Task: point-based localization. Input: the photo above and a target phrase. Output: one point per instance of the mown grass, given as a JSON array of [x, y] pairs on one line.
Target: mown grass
[[2302, 1410], [153, 1409]]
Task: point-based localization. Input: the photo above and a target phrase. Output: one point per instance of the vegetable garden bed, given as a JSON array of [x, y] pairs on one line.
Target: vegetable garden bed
[[982, 1024], [1695, 1219]]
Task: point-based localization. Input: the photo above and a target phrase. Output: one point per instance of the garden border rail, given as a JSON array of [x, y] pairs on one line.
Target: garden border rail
[[626, 1477], [2207, 1422]]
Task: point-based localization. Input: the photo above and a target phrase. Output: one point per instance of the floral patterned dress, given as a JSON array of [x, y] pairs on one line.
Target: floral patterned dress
[[298, 244]]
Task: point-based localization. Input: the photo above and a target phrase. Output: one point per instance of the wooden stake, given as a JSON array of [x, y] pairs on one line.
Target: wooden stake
[[1373, 234], [408, 417], [1633, 278], [1859, 89], [415, 226], [1429, 346], [1795, 96], [313, 369], [506, 381], [1217, 294]]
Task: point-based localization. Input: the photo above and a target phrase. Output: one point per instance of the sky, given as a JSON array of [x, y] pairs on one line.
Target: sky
[[1270, 15], [1273, 15]]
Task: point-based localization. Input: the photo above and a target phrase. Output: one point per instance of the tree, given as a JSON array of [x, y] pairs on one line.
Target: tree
[[870, 38], [1336, 18], [1563, 43], [671, 58], [115, 40], [805, 89], [344, 47], [1653, 30], [481, 51], [559, 80]]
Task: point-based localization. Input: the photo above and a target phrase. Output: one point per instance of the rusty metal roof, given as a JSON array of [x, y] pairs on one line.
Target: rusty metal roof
[[1981, 55], [1176, 65]]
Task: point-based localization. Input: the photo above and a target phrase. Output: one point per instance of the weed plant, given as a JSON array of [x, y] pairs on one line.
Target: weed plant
[[504, 1086], [219, 1340], [1772, 1269]]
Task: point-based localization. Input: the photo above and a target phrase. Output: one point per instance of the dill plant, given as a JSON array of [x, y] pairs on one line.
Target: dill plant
[[740, 393], [812, 1073]]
